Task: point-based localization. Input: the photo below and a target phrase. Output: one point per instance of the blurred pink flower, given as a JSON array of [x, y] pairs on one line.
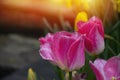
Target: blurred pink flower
[[106, 70], [64, 49], [94, 41]]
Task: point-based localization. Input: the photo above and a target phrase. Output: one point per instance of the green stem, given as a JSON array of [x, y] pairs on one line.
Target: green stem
[[95, 56], [60, 74], [70, 75]]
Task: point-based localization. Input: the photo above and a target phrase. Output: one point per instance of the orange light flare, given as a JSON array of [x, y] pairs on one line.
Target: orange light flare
[[50, 9], [100, 8], [104, 9], [53, 8], [45, 6]]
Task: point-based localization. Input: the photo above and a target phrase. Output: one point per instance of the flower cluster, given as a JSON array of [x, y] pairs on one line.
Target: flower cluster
[[67, 49]]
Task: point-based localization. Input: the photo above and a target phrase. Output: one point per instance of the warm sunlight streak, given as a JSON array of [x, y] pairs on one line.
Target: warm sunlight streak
[[67, 8]]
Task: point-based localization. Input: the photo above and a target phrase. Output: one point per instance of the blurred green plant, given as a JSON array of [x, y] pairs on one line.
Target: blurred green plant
[[31, 74], [64, 25]]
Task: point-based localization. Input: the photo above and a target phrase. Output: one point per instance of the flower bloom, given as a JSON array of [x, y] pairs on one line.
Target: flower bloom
[[81, 16], [106, 70], [94, 41], [64, 49]]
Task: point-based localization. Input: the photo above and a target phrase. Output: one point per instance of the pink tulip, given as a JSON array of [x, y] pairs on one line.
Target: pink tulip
[[64, 49], [106, 70], [94, 42]]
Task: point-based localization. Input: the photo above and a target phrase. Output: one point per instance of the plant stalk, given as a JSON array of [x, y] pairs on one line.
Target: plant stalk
[[68, 75]]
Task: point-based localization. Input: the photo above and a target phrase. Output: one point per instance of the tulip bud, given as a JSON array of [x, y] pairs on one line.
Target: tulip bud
[[93, 29]]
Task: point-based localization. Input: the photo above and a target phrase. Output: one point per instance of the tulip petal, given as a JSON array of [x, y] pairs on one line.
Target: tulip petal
[[97, 68], [88, 45], [97, 21], [84, 28], [62, 42], [46, 52], [48, 38], [96, 39], [112, 68], [76, 58]]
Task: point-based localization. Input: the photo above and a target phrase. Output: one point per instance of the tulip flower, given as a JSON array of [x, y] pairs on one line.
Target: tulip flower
[[106, 70], [63, 49], [93, 29], [81, 16]]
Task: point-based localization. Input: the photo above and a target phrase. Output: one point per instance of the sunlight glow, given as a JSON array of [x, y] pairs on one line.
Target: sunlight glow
[[99, 8], [68, 3]]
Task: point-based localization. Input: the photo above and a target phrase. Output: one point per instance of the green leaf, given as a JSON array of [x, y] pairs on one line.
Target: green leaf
[[115, 27], [112, 38], [60, 73], [119, 54]]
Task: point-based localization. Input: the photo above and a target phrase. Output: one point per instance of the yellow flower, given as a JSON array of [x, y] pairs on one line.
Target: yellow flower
[[81, 16]]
